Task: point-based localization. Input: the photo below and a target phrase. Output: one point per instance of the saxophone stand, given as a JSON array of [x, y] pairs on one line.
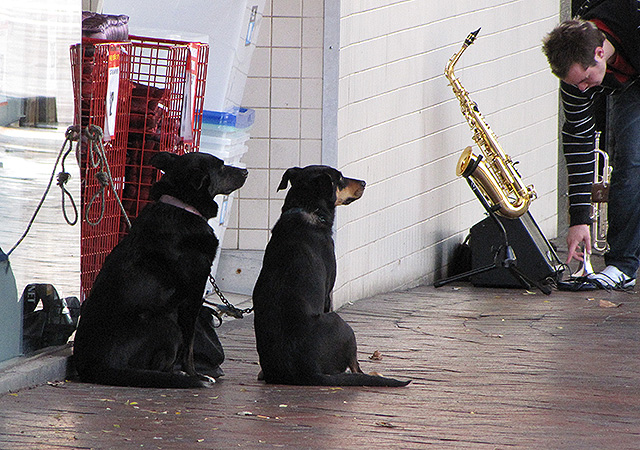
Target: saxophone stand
[[504, 256]]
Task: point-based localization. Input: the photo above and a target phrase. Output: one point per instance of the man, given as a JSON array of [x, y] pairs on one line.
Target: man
[[593, 56]]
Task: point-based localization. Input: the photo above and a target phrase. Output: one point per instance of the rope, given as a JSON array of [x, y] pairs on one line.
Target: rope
[[98, 160], [71, 135]]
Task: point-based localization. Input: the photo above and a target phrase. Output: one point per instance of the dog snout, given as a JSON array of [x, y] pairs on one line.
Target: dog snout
[[243, 174], [358, 187], [351, 192], [231, 178]]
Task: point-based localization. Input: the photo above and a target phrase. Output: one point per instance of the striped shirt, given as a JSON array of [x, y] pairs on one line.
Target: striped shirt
[[578, 140], [579, 127]]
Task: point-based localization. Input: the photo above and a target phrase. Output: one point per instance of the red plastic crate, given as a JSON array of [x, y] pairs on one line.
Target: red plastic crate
[[159, 80], [153, 79], [89, 62]]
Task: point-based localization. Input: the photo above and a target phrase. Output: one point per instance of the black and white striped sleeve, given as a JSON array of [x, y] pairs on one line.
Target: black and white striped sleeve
[[578, 144]]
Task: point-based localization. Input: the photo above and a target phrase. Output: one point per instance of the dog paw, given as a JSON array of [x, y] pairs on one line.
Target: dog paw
[[206, 379]]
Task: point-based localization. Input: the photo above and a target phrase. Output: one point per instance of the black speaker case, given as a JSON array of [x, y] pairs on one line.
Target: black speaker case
[[535, 257]]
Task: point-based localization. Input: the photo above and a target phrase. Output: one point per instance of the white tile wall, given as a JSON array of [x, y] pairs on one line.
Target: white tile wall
[[285, 89], [399, 125], [400, 128]]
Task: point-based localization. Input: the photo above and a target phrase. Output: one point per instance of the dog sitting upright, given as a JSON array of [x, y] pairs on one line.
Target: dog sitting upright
[[138, 321], [299, 339]]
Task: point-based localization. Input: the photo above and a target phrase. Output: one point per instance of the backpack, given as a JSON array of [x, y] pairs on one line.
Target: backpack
[[208, 353], [50, 325], [586, 6]]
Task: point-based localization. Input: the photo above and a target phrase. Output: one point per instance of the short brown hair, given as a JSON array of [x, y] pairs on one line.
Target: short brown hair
[[573, 41]]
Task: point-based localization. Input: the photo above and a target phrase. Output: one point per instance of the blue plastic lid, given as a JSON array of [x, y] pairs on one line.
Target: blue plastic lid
[[238, 117]]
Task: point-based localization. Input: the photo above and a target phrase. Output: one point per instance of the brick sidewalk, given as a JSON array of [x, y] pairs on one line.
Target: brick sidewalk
[[491, 369]]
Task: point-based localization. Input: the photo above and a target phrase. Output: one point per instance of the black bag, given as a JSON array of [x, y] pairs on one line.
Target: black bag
[[207, 349], [461, 259], [586, 6], [50, 325]]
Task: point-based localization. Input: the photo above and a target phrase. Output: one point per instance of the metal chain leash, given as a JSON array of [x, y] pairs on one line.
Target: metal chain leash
[[228, 308]]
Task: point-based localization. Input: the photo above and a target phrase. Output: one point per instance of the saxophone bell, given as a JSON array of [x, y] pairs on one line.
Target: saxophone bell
[[470, 165]]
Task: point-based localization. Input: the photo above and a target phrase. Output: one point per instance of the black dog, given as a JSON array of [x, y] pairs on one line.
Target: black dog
[[299, 340], [137, 324]]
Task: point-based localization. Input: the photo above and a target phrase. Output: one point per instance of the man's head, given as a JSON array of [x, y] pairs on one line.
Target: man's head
[[575, 53]]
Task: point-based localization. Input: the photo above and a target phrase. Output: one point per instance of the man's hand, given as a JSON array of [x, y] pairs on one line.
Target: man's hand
[[578, 234]]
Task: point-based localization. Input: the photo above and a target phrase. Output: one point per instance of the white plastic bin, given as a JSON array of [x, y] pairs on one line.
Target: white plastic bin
[[225, 135], [231, 26]]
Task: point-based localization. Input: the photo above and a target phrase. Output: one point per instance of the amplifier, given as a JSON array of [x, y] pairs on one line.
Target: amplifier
[[535, 257]]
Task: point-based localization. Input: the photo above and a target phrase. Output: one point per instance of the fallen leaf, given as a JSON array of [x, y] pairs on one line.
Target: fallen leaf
[[386, 424], [377, 356], [608, 304]]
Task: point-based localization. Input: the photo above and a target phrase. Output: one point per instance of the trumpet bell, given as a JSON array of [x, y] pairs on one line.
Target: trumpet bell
[[585, 268]]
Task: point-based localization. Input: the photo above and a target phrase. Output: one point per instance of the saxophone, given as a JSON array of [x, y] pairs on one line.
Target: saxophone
[[496, 176]]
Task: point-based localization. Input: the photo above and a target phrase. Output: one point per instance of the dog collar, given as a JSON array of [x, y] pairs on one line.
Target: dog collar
[[171, 200], [311, 217]]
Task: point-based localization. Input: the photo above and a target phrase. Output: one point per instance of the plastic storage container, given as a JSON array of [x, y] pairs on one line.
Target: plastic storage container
[[225, 135], [232, 28]]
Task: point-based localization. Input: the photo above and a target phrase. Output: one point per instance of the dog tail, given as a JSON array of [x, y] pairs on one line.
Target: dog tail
[[142, 378], [357, 379]]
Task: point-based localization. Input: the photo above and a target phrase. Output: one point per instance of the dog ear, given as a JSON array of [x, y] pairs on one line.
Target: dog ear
[[163, 160], [199, 179], [325, 183], [289, 177]]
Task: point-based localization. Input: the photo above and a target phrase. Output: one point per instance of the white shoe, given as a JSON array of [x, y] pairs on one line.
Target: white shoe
[[612, 278]]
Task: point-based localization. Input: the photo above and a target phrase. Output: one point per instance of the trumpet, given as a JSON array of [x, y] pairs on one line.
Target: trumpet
[[495, 175], [599, 206]]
